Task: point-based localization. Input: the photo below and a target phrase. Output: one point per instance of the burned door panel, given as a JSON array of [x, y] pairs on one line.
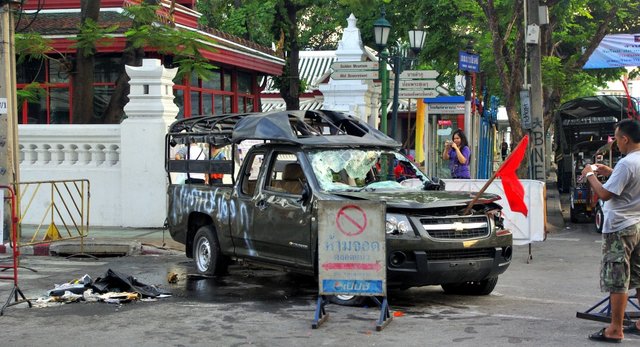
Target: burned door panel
[[244, 205], [282, 229]]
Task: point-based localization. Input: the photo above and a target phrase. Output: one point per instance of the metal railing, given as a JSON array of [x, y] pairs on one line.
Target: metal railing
[[60, 202]]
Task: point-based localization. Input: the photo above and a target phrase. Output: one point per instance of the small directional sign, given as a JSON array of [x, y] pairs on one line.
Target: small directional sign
[[417, 93], [354, 75], [418, 84], [419, 74], [355, 65]]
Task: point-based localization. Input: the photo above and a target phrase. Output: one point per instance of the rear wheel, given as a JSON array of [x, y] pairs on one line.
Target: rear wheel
[[347, 300], [484, 287], [598, 218], [206, 253]]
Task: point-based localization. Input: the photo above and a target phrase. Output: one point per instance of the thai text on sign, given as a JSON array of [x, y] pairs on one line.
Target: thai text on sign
[[351, 248]]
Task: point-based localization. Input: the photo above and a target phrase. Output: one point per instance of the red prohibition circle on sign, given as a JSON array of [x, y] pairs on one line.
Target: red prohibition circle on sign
[[351, 220]]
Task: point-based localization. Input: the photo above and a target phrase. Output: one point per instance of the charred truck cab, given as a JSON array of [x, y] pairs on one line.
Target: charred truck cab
[[265, 209]]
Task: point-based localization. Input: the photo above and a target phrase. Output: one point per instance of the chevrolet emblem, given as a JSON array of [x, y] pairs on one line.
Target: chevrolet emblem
[[458, 226]]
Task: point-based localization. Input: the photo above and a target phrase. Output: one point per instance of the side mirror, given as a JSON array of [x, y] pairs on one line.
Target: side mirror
[[435, 184]]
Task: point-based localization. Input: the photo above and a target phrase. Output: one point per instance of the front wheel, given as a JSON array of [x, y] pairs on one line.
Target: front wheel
[[347, 300], [484, 287], [206, 253]]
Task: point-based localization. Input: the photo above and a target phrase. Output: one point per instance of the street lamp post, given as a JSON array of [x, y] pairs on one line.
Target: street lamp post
[[381, 29], [416, 41]]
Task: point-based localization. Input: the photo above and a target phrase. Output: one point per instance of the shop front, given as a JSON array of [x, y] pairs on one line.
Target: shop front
[[444, 116]]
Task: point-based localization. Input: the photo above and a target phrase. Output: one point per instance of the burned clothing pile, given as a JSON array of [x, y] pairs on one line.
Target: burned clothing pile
[[112, 287]]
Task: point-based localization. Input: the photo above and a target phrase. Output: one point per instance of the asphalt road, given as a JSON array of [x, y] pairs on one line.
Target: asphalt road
[[534, 304]]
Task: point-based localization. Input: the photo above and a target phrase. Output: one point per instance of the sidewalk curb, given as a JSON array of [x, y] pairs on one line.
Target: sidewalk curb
[[40, 249]]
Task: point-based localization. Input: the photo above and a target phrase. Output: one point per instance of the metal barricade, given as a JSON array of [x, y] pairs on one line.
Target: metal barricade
[[15, 293], [66, 203]]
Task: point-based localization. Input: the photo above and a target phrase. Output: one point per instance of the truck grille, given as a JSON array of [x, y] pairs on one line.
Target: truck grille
[[456, 228], [461, 254]]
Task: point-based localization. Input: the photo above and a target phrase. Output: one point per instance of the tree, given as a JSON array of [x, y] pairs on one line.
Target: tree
[[574, 25], [184, 46], [292, 24], [248, 19], [496, 30]]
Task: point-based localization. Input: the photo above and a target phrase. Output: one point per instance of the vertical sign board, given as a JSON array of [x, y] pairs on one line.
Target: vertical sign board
[[351, 248], [1, 214], [525, 109]]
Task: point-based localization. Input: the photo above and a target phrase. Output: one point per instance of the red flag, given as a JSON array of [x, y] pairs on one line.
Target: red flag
[[510, 182]]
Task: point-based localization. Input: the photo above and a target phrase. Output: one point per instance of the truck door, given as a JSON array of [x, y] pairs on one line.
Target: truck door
[[243, 205], [282, 224]]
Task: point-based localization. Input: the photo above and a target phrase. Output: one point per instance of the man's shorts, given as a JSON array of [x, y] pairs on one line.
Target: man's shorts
[[620, 270]]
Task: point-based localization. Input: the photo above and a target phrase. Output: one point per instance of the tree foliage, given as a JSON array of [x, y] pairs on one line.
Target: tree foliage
[[248, 19]]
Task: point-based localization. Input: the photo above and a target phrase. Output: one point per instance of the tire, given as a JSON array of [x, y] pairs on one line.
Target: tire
[[573, 216], [206, 253], [347, 300], [598, 218], [484, 287]]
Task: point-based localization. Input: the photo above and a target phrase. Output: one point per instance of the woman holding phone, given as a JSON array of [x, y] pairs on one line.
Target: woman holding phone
[[457, 152]]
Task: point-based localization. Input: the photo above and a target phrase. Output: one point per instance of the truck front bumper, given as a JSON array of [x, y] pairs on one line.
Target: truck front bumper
[[419, 268]]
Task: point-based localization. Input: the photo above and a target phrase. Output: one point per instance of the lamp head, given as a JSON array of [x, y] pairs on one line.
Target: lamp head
[[381, 29], [416, 39]]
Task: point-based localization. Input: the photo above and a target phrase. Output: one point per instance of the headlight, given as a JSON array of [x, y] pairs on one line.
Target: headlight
[[397, 224], [496, 219], [391, 225]]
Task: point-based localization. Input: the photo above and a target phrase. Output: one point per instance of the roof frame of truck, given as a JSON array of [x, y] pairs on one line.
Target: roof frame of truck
[[316, 128]]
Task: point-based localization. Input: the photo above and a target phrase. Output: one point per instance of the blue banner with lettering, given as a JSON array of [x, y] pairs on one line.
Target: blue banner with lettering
[[354, 287], [617, 50]]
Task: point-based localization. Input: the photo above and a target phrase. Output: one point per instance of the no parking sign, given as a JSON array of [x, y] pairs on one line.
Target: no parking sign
[[351, 248]]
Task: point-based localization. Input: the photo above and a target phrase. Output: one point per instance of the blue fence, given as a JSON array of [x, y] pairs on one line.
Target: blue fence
[[486, 141]]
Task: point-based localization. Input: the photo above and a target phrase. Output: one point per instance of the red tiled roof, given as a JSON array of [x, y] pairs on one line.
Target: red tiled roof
[[68, 23]]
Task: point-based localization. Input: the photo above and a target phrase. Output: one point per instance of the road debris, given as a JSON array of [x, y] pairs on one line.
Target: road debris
[[112, 288]]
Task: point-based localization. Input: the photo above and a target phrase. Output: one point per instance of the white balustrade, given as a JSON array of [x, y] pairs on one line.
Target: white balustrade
[[66, 145], [124, 163]]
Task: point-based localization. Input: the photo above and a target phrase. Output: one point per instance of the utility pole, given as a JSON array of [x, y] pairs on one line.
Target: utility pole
[[384, 89], [468, 120], [537, 158], [9, 165]]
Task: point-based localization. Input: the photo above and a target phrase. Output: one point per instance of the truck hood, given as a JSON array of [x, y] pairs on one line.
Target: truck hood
[[419, 199]]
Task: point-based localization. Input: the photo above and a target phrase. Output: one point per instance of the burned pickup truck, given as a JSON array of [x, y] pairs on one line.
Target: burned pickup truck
[[264, 210]]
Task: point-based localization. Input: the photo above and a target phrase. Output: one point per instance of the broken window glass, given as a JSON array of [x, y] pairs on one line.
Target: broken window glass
[[357, 169]]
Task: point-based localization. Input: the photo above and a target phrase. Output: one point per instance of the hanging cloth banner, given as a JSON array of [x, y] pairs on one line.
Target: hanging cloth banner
[[618, 50]]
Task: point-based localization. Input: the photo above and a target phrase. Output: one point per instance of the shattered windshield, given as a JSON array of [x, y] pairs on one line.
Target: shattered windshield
[[364, 169]]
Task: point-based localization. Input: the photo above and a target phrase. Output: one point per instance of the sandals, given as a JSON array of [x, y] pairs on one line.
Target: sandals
[[631, 329], [599, 336]]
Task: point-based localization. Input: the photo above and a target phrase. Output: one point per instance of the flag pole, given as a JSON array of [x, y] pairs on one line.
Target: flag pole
[[486, 185]]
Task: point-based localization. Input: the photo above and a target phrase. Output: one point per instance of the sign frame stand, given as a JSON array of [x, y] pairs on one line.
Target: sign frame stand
[[320, 315], [604, 315], [352, 255], [385, 313]]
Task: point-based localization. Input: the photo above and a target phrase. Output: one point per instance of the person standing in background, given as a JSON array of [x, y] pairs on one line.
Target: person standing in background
[[192, 152], [458, 153], [216, 154], [504, 149]]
